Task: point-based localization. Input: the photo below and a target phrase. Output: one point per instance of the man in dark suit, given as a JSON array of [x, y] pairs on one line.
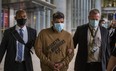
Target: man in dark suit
[[92, 39], [112, 34], [17, 41]]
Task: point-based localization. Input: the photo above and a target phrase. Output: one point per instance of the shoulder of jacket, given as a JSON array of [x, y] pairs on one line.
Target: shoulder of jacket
[[32, 29], [83, 26], [10, 29]]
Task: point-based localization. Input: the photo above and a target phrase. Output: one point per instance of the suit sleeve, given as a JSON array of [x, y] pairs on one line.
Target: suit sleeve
[[69, 53], [35, 36], [75, 38], [111, 63], [3, 45], [39, 52], [108, 49]]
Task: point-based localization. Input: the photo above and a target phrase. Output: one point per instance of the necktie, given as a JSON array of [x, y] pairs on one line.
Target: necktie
[[20, 47], [93, 33], [91, 45], [93, 37], [111, 33]]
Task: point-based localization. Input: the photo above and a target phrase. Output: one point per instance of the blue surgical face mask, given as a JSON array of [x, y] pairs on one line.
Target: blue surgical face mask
[[94, 23], [59, 26], [105, 25]]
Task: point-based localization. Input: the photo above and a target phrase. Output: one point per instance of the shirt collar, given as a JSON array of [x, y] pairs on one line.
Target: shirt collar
[[17, 28]]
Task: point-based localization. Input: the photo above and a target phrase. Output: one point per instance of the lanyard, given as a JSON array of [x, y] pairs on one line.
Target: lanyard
[[91, 31]]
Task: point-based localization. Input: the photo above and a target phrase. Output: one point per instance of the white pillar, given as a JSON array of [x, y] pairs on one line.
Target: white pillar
[[38, 21], [44, 19], [98, 5], [75, 12], [69, 15], [48, 19], [43, 0], [49, 1], [0, 20], [48, 16], [12, 20], [61, 6], [32, 18]]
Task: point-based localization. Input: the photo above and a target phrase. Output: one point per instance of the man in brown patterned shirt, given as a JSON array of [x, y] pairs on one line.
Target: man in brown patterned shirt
[[54, 46]]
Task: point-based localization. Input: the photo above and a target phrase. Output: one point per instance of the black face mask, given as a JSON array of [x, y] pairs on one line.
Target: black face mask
[[21, 22]]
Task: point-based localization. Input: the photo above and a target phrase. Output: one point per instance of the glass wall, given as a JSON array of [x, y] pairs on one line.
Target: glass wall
[[109, 9], [109, 3], [81, 9]]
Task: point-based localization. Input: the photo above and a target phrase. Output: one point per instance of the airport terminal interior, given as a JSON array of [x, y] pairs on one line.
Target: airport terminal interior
[[40, 12]]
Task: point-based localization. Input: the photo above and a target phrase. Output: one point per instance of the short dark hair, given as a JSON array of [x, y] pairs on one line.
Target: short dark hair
[[94, 11], [101, 21], [58, 15], [20, 11]]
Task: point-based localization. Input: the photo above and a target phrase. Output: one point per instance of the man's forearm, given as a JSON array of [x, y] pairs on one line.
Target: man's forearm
[[111, 63]]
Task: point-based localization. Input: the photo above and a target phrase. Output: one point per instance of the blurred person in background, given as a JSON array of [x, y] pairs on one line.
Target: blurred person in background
[[103, 23], [112, 34]]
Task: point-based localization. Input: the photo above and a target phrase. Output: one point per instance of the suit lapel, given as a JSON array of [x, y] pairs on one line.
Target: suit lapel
[[16, 35], [86, 34], [86, 40], [29, 34]]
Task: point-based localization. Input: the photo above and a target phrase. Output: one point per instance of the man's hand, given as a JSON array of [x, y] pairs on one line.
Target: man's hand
[[58, 66], [51, 65], [55, 66]]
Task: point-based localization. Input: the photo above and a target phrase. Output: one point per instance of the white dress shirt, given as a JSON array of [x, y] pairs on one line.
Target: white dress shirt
[[25, 38]]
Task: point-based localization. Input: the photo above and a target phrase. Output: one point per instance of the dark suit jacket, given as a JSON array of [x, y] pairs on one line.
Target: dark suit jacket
[[9, 44], [113, 40], [80, 38]]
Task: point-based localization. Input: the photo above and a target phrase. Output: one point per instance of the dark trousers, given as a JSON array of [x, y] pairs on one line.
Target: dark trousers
[[21, 66], [94, 66]]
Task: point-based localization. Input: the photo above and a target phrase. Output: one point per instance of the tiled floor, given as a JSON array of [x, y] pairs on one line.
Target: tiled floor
[[36, 63]]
